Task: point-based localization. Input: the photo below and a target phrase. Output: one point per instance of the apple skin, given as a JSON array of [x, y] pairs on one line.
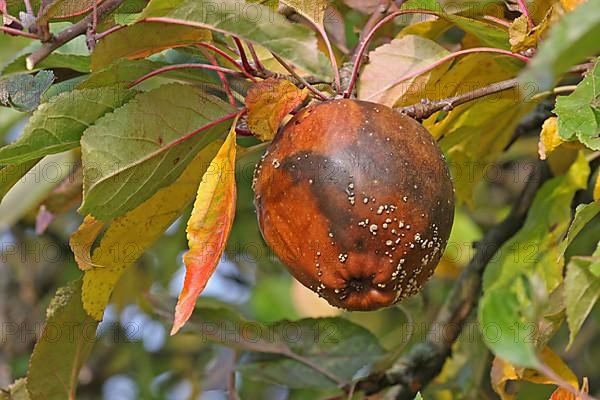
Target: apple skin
[[357, 201]]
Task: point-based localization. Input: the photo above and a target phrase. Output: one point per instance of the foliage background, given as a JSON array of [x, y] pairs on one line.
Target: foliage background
[[134, 357]]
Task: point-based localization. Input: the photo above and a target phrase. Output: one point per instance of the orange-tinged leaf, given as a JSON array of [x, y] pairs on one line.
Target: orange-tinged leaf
[[268, 103], [208, 227], [81, 241], [570, 5], [501, 373], [563, 394], [556, 364]]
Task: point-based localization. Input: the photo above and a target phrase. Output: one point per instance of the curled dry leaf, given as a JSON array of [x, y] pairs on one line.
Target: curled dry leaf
[[268, 103], [563, 394], [208, 227], [523, 38], [81, 241], [549, 139], [502, 372]]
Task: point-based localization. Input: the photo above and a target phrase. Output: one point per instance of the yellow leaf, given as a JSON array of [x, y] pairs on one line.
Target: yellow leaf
[[563, 394], [474, 134], [81, 241], [432, 29], [502, 372], [268, 103], [523, 38], [128, 236], [597, 188], [549, 138], [554, 362], [312, 9], [208, 227]]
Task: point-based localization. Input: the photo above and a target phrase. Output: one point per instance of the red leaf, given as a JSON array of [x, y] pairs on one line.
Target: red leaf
[[208, 227]]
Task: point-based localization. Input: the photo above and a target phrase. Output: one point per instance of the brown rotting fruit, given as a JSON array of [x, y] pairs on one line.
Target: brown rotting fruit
[[357, 201]]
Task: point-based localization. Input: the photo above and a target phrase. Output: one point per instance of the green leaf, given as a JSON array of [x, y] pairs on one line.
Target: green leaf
[[253, 22], [583, 214], [72, 55], [66, 341], [272, 4], [582, 290], [129, 154], [57, 125], [23, 91], [507, 304], [123, 72], [570, 41], [30, 187], [144, 39], [418, 396], [409, 54], [64, 9], [474, 134], [11, 174], [287, 352], [75, 62], [128, 236], [535, 248], [505, 326], [311, 9], [579, 113], [488, 34]]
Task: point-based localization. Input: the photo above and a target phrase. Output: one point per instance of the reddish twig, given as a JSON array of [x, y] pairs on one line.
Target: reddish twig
[[181, 66], [497, 20], [222, 77], [17, 32], [259, 65], [332, 59], [107, 32], [195, 132], [28, 7], [525, 12], [300, 79], [228, 58], [243, 56], [371, 22]]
